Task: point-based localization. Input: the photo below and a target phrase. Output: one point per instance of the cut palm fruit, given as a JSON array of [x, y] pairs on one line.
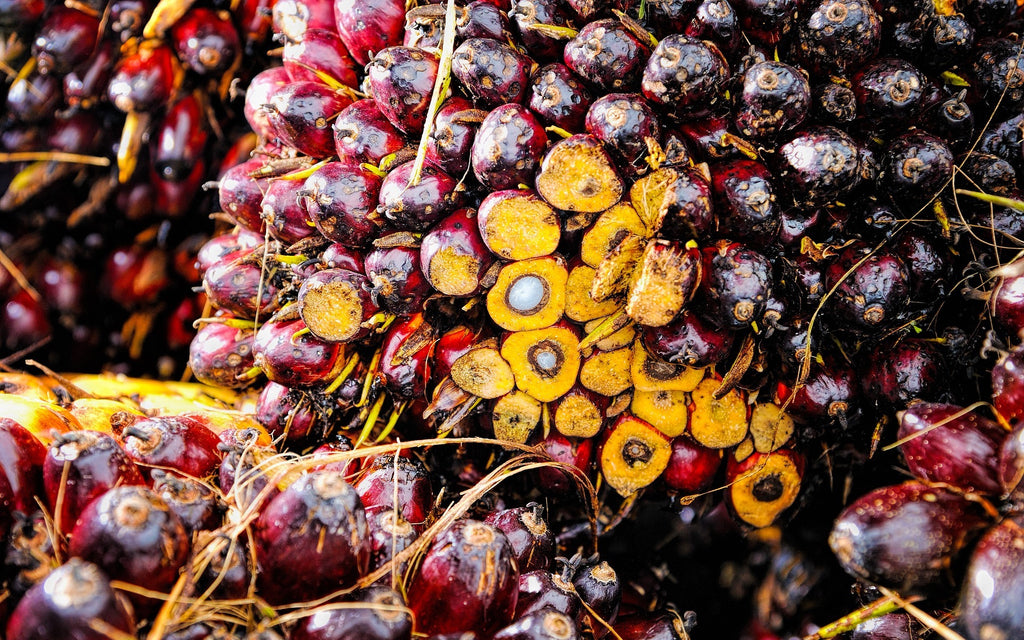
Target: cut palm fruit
[[718, 423], [666, 279], [577, 174], [764, 485], [648, 193], [334, 304], [221, 420], [101, 414], [518, 225], [514, 416], [607, 372], [544, 361], [529, 294], [622, 333], [579, 305], [650, 373], [610, 228], [43, 419], [483, 372], [579, 413], [666, 411], [770, 427], [615, 273], [633, 455]]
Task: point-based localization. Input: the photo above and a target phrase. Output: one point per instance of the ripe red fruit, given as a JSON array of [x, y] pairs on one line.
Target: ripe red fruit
[[366, 27], [414, 494], [533, 542], [220, 355], [173, 442], [21, 465], [992, 599]]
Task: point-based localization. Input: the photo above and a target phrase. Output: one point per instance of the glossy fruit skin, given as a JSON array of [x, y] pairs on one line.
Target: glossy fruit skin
[[295, 362], [573, 451], [390, 534], [904, 536], [896, 374], [133, 535], [451, 139], [206, 41], [311, 539], [418, 207], [396, 281], [559, 97], [63, 605], [717, 22], [491, 72], [994, 69], [376, 488], [458, 234], [689, 340], [915, 166], [831, 392], [34, 97], [143, 81], [745, 201], [545, 624], [402, 80], [368, 27], [607, 55], [991, 599], [874, 295], [533, 542], [241, 194], [179, 443], [300, 115], [819, 164], [22, 457], [692, 467], [687, 211], [363, 134], [240, 287], [599, 587], [293, 18], [283, 212], [446, 595], [736, 284], [95, 462], [839, 34], [341, 200], [220, 354], [405, 375], [540, 46], [685, 75], [624, 122], [952, 447], [1008, 385], [776, 99], [319, 53], [367, 623], [193, 501], [890, 92], [508, 148], [64, 40], [1007, 304]]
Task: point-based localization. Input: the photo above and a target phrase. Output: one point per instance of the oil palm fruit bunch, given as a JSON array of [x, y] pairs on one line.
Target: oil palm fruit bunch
[[619, 234], [115, 114], [136, 508]]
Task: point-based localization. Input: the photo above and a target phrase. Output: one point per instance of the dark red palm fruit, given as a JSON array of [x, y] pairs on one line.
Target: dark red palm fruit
[[172, 199], [397, 284], [745, 202], [21, 12], [262, 85], [241, 194], [293, 18], [689, 339], [891, 626], [1011, 467], [144, 80], [992, 597], [989, 173], [607, 55], [403, 361], [948, 39], [834, 103], [533, 542], [508, 147], [838, 35], [451, 138], [341, 200], [929, 263], [79, 467], [65, 39], [25, 321], [34, 98], [819, 165], [467, 581], [401, 80], [22, 458], [715, 21], [625, 124], [775, 99], [994, 71], [206, 41], [871, 289], [685, 76], [736, 284], [288, 413], [284, 213], [300, 115], [491, 72], [482, 19], [1007, 304], [454, 257], [1003, 139], [77, 132], [892, 375], [128, 18], [390, 534], [296, 361], [656, 625], [767, 22], [572, 452], [692, 467], [335, 304], [687, 211], [990, 16], [540, 45], [452, 345], [239, 286], [415, 497], [916, 165], [194, 502], [559, 97], [242, 475], [363, 134], [318, 54], [539, 590], [384, 617], [134, 536], [1008, 385], [172, 442], [311, 539], [890, 92], [368, 27], [543, 624], [950, 445], [69, 603], [418, 206], [670, 16], [906, 536], [135, 275], [228, 574], [830, 392], [220, 355], [598, 586], [338, 443]]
